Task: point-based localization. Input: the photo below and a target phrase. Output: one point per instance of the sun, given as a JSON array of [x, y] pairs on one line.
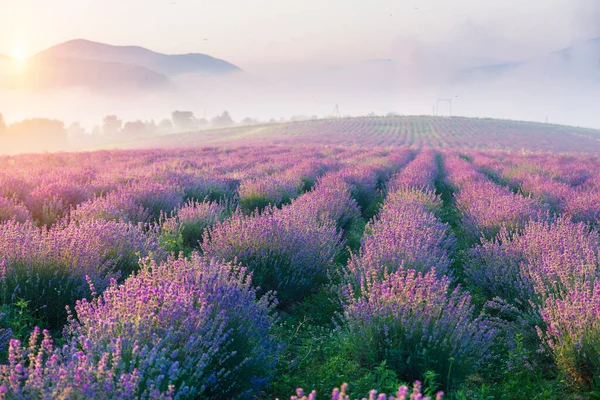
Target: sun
[[19, 54]]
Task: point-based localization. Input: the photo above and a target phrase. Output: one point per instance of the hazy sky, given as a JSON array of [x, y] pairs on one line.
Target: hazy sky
[[254, 32]]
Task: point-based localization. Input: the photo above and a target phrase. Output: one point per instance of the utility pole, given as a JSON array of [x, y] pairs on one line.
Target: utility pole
[[336, 112], [445, 101]]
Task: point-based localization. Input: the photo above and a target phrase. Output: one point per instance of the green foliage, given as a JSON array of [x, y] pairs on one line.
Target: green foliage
[[353, 235], [172, 242], [19, 318], [250, 203], [41, 301]]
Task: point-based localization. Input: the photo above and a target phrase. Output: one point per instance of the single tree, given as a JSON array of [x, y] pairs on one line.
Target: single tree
[[183, 120], [223, 120], [75, 130], [165, 126], [134, 128], [112, 125]]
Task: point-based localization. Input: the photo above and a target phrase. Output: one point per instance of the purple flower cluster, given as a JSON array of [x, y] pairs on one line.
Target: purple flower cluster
[[50, 202], [416, 323], [260, 192], [182, 329], [13, 210], [341, 393], [114, 206], [154, 197], [286, 252], [328, 203], [573, 333], [184, 229]]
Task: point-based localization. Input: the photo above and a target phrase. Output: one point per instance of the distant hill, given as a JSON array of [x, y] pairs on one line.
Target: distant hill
[[457, 133], [165, 64], [108, 69], [580, 61], [59, 72]]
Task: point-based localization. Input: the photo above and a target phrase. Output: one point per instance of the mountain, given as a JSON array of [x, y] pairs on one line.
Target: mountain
[[108, 69], [99, 76], [589, 47], [165, 64], [580, 61]]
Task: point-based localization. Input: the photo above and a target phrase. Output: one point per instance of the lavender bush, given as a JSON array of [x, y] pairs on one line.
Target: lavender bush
[[52, 268], [184, 229], [261, 192], [288, 255], [114, 206], [183, 329], [12, 210], [573, 333], [329, 203], [404, 235], [416, 323]]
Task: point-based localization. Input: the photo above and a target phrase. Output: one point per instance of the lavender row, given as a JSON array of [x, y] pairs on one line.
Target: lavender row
[[486, 207], [566, 184], [406, 233]]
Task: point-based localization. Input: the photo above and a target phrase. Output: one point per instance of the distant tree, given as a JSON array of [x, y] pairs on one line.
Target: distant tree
[[111, 125], [296, 118], [249, 121], [183, 120], [134, 128], [75, 130], [151, 127], [223, 119], [272, 121], [201, 121], [2, 124], [38, 134], [97, 131], [165, 125]]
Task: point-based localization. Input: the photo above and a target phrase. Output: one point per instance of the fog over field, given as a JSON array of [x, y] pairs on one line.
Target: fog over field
[[509, 66]]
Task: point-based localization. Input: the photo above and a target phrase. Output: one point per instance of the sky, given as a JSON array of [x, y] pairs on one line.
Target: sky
[[253, 33], [306, 56]]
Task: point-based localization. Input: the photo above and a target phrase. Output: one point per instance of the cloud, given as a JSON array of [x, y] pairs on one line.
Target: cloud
[[587, 18]]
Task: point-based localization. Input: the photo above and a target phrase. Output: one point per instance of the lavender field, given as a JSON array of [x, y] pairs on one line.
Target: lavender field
[[412, 262]]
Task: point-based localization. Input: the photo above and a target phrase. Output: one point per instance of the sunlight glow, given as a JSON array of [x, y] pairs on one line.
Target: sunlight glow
[[19, 54]]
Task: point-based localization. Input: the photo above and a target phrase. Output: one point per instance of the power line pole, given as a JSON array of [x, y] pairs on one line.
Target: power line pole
[[444, 101], [336, 112]]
